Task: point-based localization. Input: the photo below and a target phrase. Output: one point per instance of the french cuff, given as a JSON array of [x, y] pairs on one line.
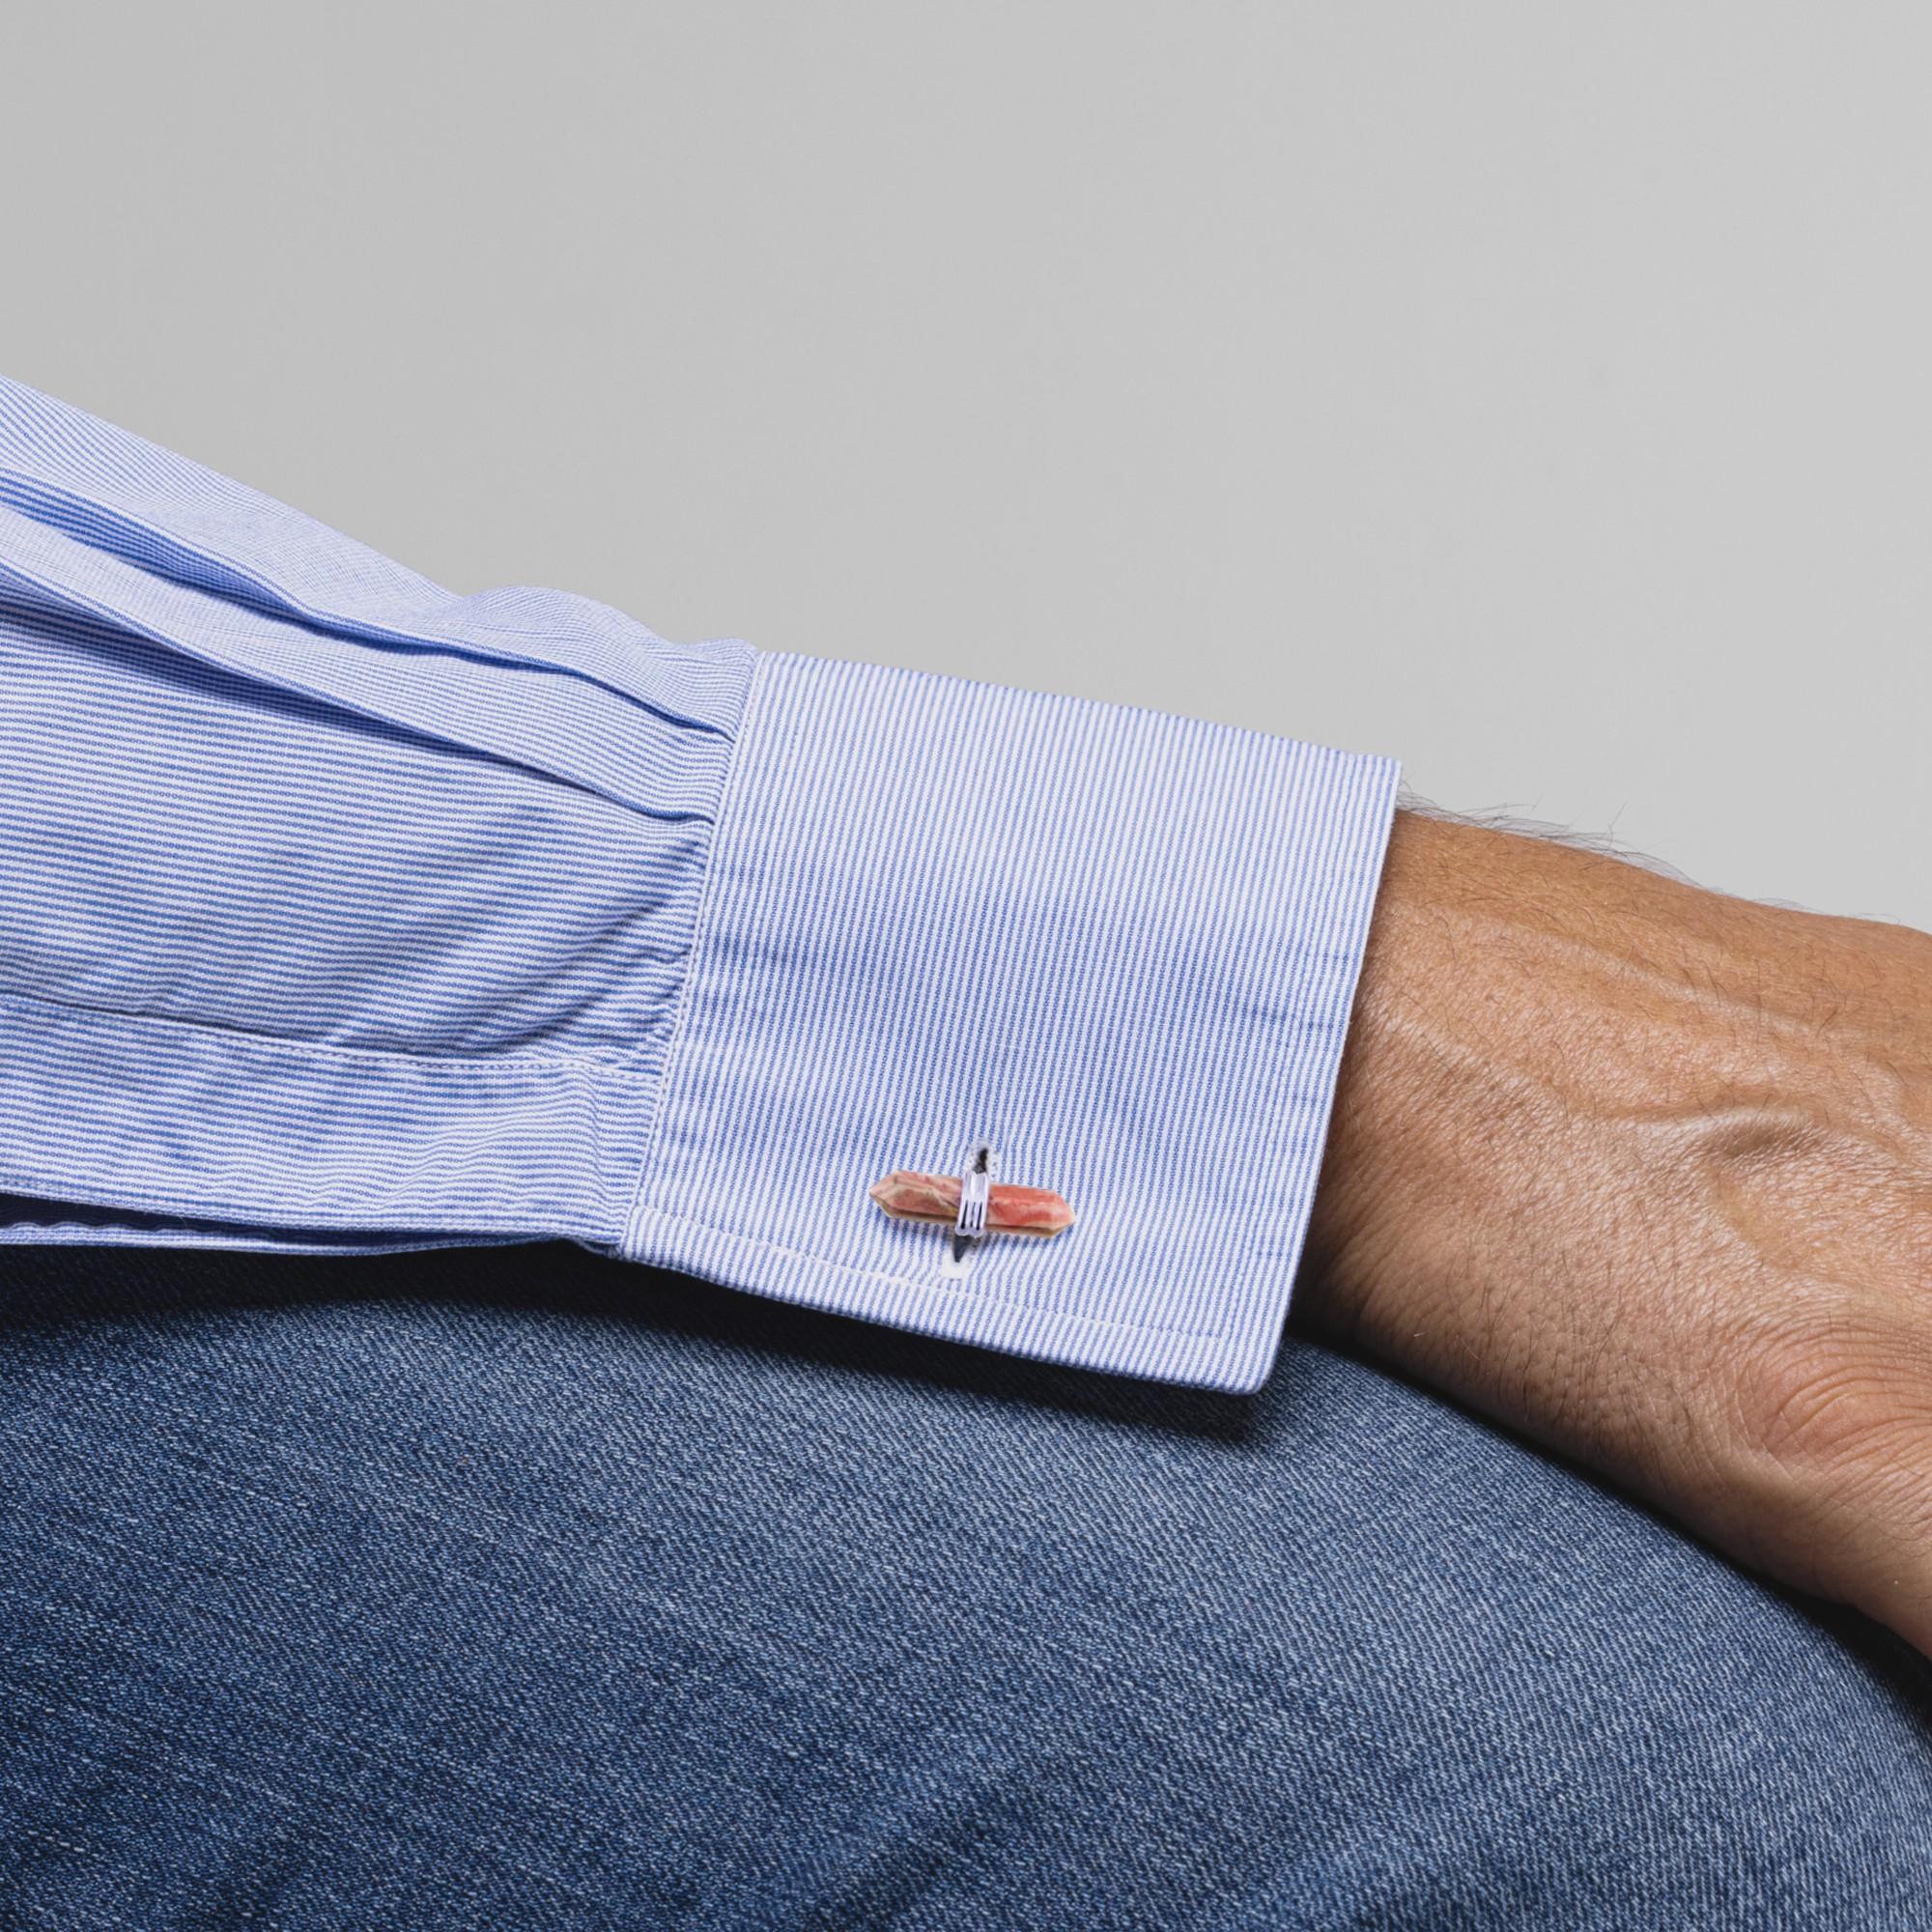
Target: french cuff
[[1116, 945]]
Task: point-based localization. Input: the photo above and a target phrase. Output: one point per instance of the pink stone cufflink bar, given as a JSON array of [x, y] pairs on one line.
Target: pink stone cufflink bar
[[937, 1198]]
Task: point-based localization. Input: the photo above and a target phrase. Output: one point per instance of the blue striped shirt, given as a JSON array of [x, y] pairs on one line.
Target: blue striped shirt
[[342, 912]]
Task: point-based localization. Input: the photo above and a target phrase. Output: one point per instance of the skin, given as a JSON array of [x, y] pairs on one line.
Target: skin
[[1645, 1173]]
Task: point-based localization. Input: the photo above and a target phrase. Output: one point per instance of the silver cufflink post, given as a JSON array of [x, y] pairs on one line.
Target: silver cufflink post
[[969, 1227]]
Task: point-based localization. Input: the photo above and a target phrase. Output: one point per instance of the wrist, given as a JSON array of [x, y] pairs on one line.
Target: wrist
[[1537, 1053]]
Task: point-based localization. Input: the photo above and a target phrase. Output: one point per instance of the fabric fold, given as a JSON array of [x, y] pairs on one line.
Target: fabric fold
[[584, 734]]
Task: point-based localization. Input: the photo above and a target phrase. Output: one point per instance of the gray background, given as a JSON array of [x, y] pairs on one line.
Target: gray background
[[1538, 393]]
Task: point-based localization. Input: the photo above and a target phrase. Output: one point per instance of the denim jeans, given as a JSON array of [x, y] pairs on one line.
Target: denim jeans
[[511, 1588]]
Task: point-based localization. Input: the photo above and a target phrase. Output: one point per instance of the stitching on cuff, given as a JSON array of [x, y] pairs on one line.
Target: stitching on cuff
[[921, 1284], [472, 1066], [699, 929]]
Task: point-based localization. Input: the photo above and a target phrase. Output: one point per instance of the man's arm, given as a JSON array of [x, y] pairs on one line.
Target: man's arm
[[338, 911], [1646, 1171]]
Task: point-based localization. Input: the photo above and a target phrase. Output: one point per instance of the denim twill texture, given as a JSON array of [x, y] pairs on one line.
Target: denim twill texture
[[521, 1591]]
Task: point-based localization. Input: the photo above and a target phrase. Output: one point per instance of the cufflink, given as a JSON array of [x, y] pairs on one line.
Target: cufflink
[[972, 1204]]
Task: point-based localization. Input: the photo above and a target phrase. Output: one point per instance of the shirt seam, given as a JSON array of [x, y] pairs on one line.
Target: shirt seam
[[462, 1066], [30, 1186], [926, 1284], [700, 930]]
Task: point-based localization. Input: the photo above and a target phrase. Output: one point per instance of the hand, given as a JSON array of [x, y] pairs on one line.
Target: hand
[[1646, 1173]]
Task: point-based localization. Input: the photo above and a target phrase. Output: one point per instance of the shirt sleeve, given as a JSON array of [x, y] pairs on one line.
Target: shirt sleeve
[[341, 913]]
